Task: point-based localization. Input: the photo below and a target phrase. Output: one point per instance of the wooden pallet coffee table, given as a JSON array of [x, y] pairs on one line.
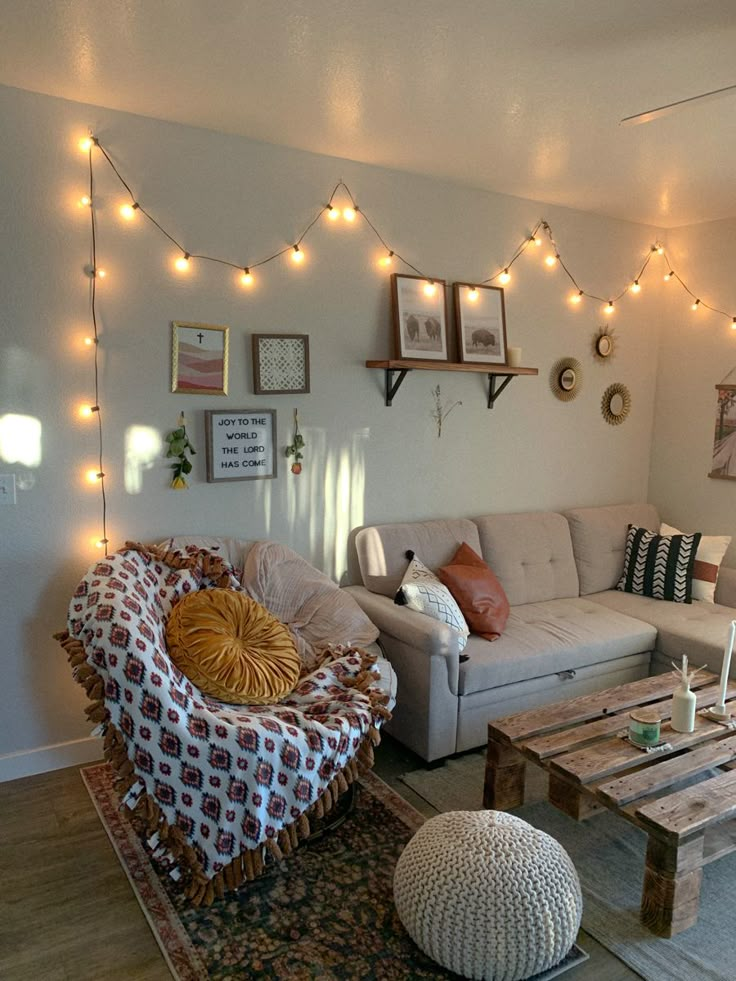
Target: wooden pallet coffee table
[[591, 767]]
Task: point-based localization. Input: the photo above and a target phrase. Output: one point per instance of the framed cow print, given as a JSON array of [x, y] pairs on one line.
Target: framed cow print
[[420, 318], [480, 321]]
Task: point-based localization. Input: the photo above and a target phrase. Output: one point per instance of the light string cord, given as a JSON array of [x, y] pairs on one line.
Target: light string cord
[[392, 253], [96, 342]]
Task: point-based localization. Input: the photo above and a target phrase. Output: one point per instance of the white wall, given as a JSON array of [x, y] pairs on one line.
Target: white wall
[[364, 462], [698, 352]]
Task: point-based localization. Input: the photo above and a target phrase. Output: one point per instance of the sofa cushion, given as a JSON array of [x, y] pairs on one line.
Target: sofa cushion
[[422, 591], [660, 566], [231, 647], [382, 549], [708, 560], [699, 630], [531, 554], [479, 594], [546, 638], [599, 540]]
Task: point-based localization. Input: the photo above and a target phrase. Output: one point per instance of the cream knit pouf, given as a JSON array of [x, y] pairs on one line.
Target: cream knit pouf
[[488, 896]]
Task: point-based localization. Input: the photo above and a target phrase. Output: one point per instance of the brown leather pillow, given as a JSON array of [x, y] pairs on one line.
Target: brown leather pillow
[[477, 592]]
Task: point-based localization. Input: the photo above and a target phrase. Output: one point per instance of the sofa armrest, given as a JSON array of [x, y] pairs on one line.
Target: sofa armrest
[[412, 628], [726, 587]]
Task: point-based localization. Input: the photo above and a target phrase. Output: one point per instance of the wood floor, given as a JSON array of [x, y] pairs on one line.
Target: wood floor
[[67, 912]]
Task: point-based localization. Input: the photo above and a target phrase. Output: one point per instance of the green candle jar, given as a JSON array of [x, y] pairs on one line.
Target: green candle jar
[[644, 727]]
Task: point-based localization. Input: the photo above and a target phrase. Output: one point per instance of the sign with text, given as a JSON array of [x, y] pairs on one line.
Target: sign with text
[[240, 445]]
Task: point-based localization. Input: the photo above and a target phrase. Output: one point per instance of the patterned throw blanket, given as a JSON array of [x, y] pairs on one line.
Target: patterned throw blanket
[[220, 787]]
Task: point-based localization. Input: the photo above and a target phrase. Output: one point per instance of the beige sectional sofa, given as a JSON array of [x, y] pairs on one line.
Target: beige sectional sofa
[[570, 632]]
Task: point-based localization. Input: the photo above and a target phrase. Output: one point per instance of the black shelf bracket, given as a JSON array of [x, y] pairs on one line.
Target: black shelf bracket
[[392, 386], [494, 392]]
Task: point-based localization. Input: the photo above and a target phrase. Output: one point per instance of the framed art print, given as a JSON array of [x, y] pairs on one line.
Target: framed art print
[[420, 318], [240, 445], [199, 358], [280, 364], [480, 320], [723, 464]]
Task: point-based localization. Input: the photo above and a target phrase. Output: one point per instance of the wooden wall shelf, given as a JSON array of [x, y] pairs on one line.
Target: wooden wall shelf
[[494, 372]]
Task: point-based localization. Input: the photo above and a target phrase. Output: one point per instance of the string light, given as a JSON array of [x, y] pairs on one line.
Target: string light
[[102, 543], [333, 213], [128, 210], [668, 276], [576, 297], [350, 213], [86, 144], [297, 255], [609, 307], [535, 240], [695, 305], [733, 324], [635, 287], [99, 273], [387, 259], [472, 294], [182, 263], [430, 288], [87, 411], [89, 341], [85, 201], [505, 277], [551, 260], [246, 277]]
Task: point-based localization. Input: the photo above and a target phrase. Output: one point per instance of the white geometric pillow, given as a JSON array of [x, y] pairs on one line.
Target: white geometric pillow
[[422, 591], [708, 560]]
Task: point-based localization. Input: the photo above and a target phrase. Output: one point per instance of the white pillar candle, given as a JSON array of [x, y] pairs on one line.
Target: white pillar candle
[[721, 706]]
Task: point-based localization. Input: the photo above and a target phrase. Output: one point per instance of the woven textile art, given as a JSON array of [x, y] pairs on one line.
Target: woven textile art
[[660, 566], [217, 787]]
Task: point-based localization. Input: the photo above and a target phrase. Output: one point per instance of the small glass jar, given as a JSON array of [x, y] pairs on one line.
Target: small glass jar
[[644, 726]]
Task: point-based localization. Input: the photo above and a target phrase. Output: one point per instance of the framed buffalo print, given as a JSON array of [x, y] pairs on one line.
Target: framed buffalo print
[[420, 318], [480, 321]]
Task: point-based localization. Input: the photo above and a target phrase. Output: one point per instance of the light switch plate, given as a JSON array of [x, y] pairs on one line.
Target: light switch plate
[[7, 489]]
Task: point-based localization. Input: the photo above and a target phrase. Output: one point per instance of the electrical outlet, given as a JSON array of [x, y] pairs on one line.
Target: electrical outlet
[[7, 489]]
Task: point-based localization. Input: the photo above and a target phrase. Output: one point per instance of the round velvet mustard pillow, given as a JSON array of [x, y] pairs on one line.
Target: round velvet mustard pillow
[[232, 648]]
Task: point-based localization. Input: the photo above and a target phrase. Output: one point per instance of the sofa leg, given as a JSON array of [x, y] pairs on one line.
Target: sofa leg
[[435, 764], [504, 781]]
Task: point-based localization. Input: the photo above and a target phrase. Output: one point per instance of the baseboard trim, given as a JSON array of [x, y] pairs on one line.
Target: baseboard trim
[[29, 762]]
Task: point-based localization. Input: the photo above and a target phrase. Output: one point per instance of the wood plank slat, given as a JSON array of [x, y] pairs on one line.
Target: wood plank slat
[[667, 772], [533, 722], [692, 810], [576, 737], [605, 758]]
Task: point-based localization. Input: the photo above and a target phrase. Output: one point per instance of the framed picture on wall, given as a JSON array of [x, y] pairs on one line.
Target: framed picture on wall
[[420, 318], [280, 364], [723, 464], [199, 358], [480, 322], [240, 445]]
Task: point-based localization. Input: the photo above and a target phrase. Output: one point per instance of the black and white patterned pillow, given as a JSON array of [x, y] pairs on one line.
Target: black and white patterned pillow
[[660, 566], [422, 591]]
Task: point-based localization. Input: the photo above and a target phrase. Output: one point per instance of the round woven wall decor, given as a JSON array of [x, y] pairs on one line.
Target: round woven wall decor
[[566, 379], [616, 404]]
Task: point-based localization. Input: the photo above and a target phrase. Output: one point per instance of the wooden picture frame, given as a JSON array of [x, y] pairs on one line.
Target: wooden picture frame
[[199, 358], [280, 364], [419, 308], [723, 465], [240, 445], [480, 322]]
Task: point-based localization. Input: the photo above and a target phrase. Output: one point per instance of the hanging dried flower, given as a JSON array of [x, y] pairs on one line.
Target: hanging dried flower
[[295, 448], [179, 446]]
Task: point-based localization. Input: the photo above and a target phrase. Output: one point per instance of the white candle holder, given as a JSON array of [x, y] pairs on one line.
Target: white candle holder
[[719, 712]]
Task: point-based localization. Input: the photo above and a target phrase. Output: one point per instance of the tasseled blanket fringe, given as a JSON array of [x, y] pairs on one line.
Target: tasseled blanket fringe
[[145, 813]]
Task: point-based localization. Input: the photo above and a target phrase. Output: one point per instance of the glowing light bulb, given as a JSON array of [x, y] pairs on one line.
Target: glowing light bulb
[[536, 240], [635, 287], [128, 210], [333, 213], [660, 250], [387, 259], [91, 476], [695, 305], [505, 277], [430, 288], [87, 411], [472, 294], [182, 263], [85, 144], [551, 260], [100, 273], [609, 307], [576, 297], [733, 324], [101, 542], [349, 213], [85, 201], [297, 255], [89, 341], [246, 277], [668, 276]]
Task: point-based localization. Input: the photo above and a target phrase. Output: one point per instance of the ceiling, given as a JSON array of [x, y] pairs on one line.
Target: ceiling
[[521, 96]]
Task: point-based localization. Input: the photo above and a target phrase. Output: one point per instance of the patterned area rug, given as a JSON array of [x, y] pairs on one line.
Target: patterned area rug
[[326, 912]]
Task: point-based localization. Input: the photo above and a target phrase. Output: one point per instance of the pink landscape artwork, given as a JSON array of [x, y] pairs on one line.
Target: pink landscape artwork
[[200, 359]]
